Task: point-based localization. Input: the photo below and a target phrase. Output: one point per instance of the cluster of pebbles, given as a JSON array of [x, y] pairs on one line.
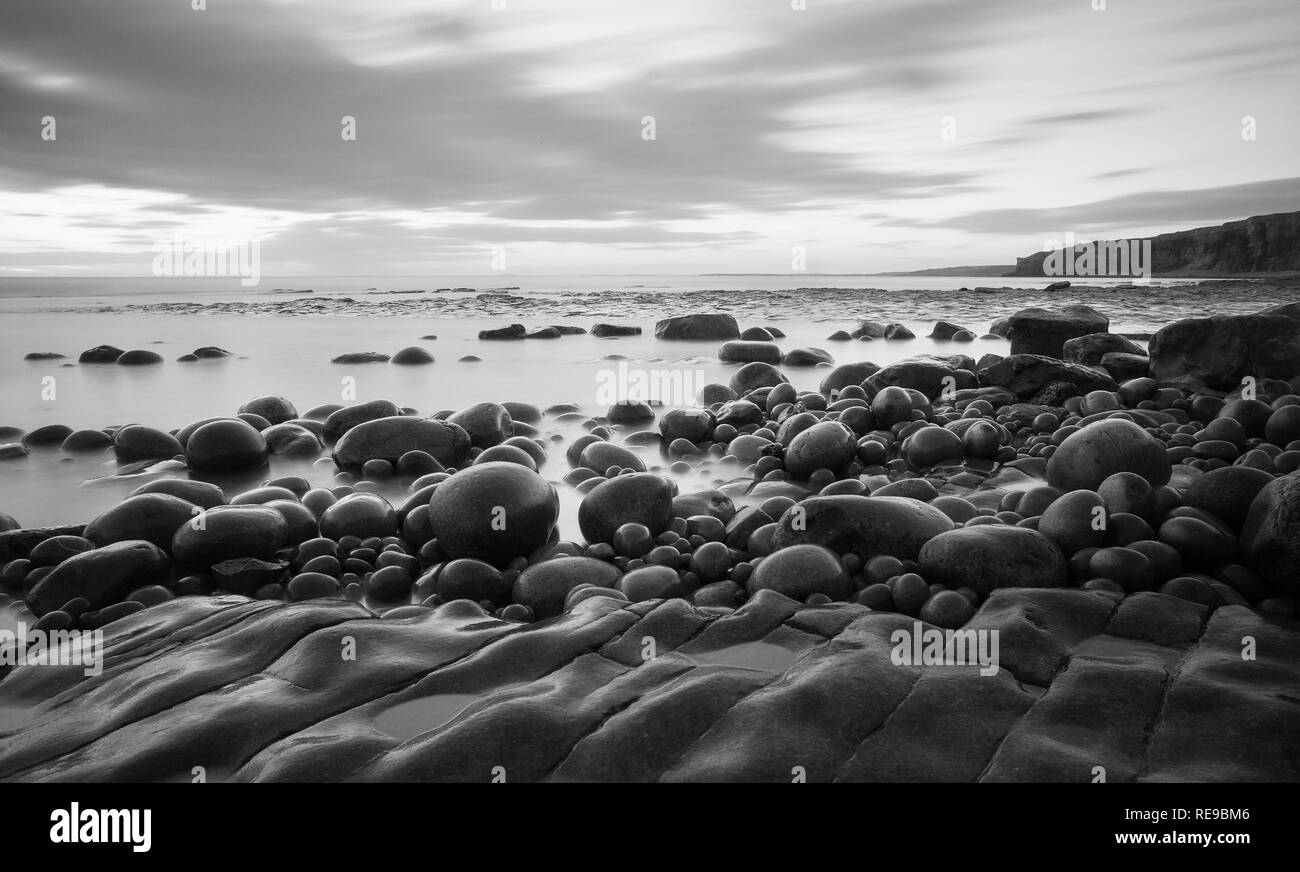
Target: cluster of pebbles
[[919, 488]]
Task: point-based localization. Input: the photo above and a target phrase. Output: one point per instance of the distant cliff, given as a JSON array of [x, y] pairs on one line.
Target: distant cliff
[[1263, 244]]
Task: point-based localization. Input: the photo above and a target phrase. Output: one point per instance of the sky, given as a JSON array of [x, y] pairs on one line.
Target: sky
[[633, 136]]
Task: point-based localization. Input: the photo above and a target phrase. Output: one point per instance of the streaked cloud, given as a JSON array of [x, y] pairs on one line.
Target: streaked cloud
[[522, 128]]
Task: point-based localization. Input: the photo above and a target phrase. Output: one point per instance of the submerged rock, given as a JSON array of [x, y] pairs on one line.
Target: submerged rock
[[101, 354]]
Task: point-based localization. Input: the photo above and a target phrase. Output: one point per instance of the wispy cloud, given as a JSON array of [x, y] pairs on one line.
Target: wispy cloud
[[828, 127]]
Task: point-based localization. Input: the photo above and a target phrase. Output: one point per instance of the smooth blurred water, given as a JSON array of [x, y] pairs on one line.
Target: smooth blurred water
[[289, 354]]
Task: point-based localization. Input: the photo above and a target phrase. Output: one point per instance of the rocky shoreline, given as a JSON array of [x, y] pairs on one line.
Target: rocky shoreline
[[1124, 517], [1160, 302]]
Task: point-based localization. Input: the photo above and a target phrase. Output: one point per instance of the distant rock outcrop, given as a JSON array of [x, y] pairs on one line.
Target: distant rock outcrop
[[1262, 244]]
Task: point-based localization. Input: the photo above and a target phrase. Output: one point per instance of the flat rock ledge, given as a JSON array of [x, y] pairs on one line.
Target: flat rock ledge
[[1149, 688]]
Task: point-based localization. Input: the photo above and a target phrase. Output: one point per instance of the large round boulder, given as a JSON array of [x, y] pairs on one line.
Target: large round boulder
[[151, 517], [275, 410], [226, 533], [390, 438], [360, 514], [342, 420], [543, 586], [103, 576], [825, 445], [493, 512], [693, 425], [226, 445], [291, 440], [138, 442], [801, 571], [745, 351], [1270, 537], [866, 526], [1088, 456], [201, 493], [991, 556], [1227, 493], [638, 498], [755, 375], [487, 424]]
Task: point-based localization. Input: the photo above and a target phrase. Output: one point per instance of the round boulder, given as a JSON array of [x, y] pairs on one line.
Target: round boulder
[[992, 556], [226, 445], [493, 512], [1089, 456]]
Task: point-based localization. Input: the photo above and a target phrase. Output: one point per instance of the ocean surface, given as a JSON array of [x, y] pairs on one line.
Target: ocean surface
[[284, 332]]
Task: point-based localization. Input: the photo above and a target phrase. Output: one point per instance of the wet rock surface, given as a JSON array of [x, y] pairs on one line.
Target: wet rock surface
[[258, 691]]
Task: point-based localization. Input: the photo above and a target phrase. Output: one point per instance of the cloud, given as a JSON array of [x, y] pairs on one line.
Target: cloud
[[1141, 210], [770, 122]]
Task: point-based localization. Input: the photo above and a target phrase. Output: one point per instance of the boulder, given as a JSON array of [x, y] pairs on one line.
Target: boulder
[[693, 425], [800, 571], [276, 410], [1045, 331], [390, 438], [487, 424], [513, 331], [807, 357], [103, 576], [639, 498], [931, 376], [944, 330], [825, 445], [1219, 351], [866, 526], [847, 374], [360, 514], [1125, 367], [228, 532], [138, 442], [411, 356], [340, 421], [201, 493], [543, 586], [493, 512], [701, 326], [361, 357], [1089, 456], [1025, 375], [1270, 536], [756, 375], [988, 557], [743, 351], [869, 330], [291, 440], [151, 517], [1089, 349], [602, 331], [227, 445], [101, 354]]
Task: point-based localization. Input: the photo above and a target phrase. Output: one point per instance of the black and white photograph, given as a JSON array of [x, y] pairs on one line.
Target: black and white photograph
[[650, 391]]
